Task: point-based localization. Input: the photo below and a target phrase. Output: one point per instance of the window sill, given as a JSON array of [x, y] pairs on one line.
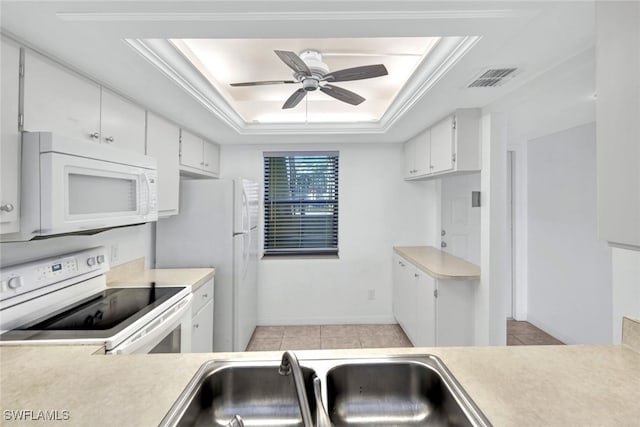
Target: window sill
[[301, 257]]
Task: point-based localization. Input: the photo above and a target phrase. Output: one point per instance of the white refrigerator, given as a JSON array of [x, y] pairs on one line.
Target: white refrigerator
[[217, 227]]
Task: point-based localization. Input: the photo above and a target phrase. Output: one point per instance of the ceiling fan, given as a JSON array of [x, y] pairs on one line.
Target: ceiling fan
[[313, 74]]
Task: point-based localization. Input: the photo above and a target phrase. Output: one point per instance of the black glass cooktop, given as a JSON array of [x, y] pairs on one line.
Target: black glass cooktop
[[99, 316]]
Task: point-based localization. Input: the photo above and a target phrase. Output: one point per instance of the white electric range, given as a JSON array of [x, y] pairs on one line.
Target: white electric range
[[65, 300]]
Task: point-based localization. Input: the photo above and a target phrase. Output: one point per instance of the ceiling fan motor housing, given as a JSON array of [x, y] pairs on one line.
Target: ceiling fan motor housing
[[313, 60]]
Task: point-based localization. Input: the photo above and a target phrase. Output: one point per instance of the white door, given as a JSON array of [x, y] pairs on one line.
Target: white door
[[460, 222]]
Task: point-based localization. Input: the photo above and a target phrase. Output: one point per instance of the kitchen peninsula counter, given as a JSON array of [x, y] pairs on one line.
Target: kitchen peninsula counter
[[513, 386], [439, 264]]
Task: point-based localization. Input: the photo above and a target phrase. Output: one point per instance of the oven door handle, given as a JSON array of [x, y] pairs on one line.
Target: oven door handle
[[143, 341]]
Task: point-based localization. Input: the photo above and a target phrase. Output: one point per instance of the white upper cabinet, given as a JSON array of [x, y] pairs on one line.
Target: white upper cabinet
[[417, 155], [163, 143], [10, 146], [450, 146], [617, 116], [211, 157], [59, 101], [198, 157], [442, 141], [122, 123]]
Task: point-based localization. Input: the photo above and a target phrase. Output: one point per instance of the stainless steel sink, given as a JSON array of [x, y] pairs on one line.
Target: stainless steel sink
[[255, 391], [397, 393], [367, 391]]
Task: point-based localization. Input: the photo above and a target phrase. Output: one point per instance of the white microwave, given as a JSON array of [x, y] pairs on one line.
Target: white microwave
[[76, 187]]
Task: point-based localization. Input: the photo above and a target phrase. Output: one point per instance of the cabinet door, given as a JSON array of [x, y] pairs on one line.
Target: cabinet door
[[59, 101], [122, 123], [163, 143], [396, 288], [422, 153], [442, 135], [410, 158], [425, 310], [191, 152], [10, 147], [202, 330], [211, 157]]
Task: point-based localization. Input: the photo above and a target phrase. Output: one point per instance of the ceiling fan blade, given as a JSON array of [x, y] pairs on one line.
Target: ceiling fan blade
[[263, 83], [293, 61], [342, 94], [356, 73], [295, 99]]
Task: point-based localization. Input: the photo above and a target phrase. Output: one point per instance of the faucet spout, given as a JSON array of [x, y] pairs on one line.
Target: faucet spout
[[290, 366]]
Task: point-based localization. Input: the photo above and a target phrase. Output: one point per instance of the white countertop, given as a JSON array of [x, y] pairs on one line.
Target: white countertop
[[439, 264], [513, 386]]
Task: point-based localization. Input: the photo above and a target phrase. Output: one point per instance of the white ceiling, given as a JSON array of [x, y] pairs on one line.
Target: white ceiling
[[226, 61], [89, 35]]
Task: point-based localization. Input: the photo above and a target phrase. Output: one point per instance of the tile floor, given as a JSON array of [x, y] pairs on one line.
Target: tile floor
[[524, 333], [269, 338], [315, 337]]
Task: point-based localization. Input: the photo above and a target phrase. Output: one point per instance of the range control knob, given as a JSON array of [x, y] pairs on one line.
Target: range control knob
[[100, 259], [91, 261], [15, 282]]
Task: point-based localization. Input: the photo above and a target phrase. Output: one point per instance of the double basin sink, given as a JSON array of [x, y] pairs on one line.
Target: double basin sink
[[372, 391]]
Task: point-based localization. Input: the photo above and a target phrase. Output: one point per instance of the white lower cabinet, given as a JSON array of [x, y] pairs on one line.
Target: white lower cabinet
[[202, 319], [432, 312]]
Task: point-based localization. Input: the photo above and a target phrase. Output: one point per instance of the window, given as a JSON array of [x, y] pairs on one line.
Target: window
[[301, 203]]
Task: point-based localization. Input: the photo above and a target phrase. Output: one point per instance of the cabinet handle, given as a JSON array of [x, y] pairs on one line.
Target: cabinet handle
[[195, 325], [201, 163], [205, 296], [94, 135], [416, 275], [109, 139], [431, 166], [206, 164], [401, 264], [7, 207]]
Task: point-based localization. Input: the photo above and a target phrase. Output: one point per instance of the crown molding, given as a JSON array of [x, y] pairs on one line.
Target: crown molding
[[164, 56], [361, 15]]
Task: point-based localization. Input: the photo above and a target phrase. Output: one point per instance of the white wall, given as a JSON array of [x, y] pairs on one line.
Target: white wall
[[378, 210], [569, 269], [490, 308], [132, 243]]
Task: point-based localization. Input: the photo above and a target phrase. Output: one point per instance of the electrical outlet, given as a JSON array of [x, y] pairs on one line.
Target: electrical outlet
[[372, 294], [114, 253]]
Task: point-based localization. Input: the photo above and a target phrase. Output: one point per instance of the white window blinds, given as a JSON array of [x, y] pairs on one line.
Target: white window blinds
[[301, 203]]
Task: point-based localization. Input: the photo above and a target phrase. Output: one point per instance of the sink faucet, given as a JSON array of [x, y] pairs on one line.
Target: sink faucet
[[290, 365]]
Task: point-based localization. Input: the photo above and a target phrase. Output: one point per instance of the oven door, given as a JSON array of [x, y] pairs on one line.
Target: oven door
[[78, 194], [170, 332]]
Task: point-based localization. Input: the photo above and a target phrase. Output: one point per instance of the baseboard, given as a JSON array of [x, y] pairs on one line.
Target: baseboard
[[346, 320], [550, 330]]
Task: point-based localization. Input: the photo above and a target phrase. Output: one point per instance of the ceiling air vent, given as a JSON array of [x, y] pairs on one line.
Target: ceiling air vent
[[493, 77]]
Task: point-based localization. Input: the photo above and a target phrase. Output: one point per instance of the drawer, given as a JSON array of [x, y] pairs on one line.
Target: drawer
[[203, 295]]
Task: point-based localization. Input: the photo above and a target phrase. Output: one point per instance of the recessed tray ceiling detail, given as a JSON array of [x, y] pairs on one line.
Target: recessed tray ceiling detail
[[207, 67]]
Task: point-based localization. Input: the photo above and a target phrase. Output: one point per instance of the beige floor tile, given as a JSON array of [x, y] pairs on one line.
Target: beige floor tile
[[301, 343], [379, 330], [515, 327], [537, 338], [340, 342], [264, 344], [268, 332], [513, 340], [338, 331], [302, 331]]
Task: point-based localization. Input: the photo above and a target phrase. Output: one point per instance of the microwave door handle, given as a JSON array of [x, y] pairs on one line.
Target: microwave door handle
[[147, 206]]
